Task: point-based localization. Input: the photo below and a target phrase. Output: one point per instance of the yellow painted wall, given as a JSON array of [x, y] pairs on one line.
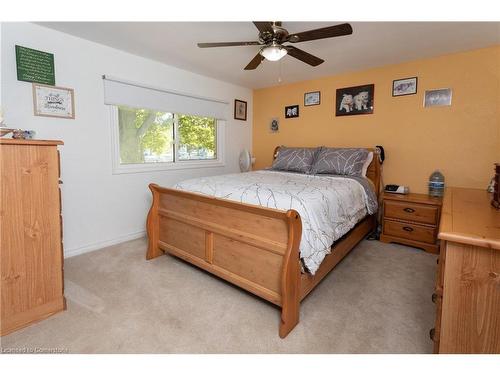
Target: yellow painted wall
[[463, 140]]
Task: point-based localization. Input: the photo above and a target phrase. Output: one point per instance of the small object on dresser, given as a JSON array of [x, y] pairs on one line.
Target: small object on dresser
[[397, 189], [23, 134], [18, 134], [5, 131], [491, 186], [496, 188], [436, 184]]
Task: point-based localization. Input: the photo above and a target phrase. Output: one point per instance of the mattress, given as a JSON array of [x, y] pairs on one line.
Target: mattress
[[329, 206]]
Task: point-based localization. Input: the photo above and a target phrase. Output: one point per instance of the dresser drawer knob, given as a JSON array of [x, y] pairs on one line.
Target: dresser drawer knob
[[408, 229], [409, 210]]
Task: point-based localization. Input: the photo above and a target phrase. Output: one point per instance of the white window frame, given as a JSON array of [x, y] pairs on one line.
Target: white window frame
[[118, 168]]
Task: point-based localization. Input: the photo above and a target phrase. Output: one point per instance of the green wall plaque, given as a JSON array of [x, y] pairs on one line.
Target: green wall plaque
[[35, 66]]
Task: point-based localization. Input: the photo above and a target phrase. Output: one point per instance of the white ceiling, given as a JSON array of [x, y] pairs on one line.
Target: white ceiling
[[371, 44]]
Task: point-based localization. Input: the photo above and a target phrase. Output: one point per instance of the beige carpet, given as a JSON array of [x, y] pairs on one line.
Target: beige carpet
[[377, 300]]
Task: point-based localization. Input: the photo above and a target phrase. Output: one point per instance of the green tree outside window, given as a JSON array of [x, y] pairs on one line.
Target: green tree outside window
[[147, 136]]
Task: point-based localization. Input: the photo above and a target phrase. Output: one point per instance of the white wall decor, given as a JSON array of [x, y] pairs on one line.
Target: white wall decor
[[53, 101], [437, 98]]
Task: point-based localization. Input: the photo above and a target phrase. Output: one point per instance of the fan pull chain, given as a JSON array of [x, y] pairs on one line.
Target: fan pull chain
[[280, 71]]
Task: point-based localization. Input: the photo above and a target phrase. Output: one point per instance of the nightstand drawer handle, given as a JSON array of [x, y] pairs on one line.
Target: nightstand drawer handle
[[409, 210], [408, 229]]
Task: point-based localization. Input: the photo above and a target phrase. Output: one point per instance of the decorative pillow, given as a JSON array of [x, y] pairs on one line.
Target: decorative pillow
[[294, 159], [340, 161]]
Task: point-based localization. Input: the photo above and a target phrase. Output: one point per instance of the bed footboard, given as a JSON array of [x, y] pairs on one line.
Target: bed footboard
[[253, 247]]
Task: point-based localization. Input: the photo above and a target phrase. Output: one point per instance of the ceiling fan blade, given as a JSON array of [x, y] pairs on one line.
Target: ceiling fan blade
[[325, 32], [304, 56], [255, 62], [264, 26], [227, 44]]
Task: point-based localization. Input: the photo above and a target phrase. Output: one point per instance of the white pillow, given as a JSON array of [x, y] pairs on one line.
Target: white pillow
[[367, 164]]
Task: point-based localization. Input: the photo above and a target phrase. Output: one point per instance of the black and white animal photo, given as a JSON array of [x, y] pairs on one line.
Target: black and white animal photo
[[357, 100], [292, 111]]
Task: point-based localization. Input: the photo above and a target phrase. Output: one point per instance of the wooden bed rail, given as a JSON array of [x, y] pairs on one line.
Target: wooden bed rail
[[254, 247]]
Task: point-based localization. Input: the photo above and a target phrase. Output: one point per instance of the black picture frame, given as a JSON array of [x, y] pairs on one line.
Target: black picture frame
[[292, 111], [355, 100], [307, 100], [403, 91], [240, 110]]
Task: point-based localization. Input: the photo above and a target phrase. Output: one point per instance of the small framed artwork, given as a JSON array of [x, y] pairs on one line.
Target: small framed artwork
[[274, 125], [292, 111], [437, 98], [312, 98], [240, 110], [356, 100], [405, 86], [53, 101]]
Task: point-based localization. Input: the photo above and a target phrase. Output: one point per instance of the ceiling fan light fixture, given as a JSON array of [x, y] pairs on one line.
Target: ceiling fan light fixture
[[273, 52]]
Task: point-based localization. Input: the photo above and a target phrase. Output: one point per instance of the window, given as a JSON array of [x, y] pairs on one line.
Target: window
[[146, 140], [197, 137]]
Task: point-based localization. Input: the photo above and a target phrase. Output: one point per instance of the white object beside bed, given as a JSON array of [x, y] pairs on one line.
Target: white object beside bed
[[367, 164]]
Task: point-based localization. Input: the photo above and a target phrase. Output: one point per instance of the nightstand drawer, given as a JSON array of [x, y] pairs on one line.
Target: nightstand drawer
[[409, 231], [419, 213]]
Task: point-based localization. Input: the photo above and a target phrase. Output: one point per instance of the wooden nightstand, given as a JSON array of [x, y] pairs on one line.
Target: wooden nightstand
[[411, 219]]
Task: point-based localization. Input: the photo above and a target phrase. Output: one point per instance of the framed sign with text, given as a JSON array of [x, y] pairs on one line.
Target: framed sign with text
[[52, 101], [35, 66]]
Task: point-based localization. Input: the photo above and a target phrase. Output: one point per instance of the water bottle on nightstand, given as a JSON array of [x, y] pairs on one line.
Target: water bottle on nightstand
[[436, 184]]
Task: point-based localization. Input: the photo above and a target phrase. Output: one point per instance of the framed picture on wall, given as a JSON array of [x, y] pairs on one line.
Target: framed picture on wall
[[292, 111], [312, 98], [437, 98], [53, 101], [356, 100], [240, 110], [405, 86]]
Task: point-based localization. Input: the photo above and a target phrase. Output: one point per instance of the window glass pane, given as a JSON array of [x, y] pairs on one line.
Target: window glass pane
[[146, 136], [197, 137]]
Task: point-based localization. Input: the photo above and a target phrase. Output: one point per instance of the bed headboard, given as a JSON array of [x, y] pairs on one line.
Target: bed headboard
[[373, 173]]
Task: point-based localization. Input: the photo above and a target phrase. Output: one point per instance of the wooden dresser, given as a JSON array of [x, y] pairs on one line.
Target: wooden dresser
[[411, 219], [467, 293], [31, 252]]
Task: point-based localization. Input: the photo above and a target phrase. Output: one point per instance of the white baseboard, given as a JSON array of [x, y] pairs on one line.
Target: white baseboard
[[68, 253]]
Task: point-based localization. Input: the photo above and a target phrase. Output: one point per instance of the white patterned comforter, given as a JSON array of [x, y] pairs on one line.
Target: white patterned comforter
[[328, 206]]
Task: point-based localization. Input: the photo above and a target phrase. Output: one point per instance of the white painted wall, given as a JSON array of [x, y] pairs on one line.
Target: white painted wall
[[100, 208]]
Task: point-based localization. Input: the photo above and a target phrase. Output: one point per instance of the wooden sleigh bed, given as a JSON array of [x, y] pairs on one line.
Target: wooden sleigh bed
[[253, 247]]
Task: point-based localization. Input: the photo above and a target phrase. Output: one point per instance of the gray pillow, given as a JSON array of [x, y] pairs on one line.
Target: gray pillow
[[340, 161], [295, 159]]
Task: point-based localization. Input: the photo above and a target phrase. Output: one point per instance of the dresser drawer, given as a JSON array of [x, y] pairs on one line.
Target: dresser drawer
[[409, 231], [415, 212]]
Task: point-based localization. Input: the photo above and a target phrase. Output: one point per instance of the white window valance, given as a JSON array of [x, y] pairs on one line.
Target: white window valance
[[136, 95]]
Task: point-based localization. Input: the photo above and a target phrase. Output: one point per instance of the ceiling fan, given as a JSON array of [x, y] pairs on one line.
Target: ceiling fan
[[272, 36]]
